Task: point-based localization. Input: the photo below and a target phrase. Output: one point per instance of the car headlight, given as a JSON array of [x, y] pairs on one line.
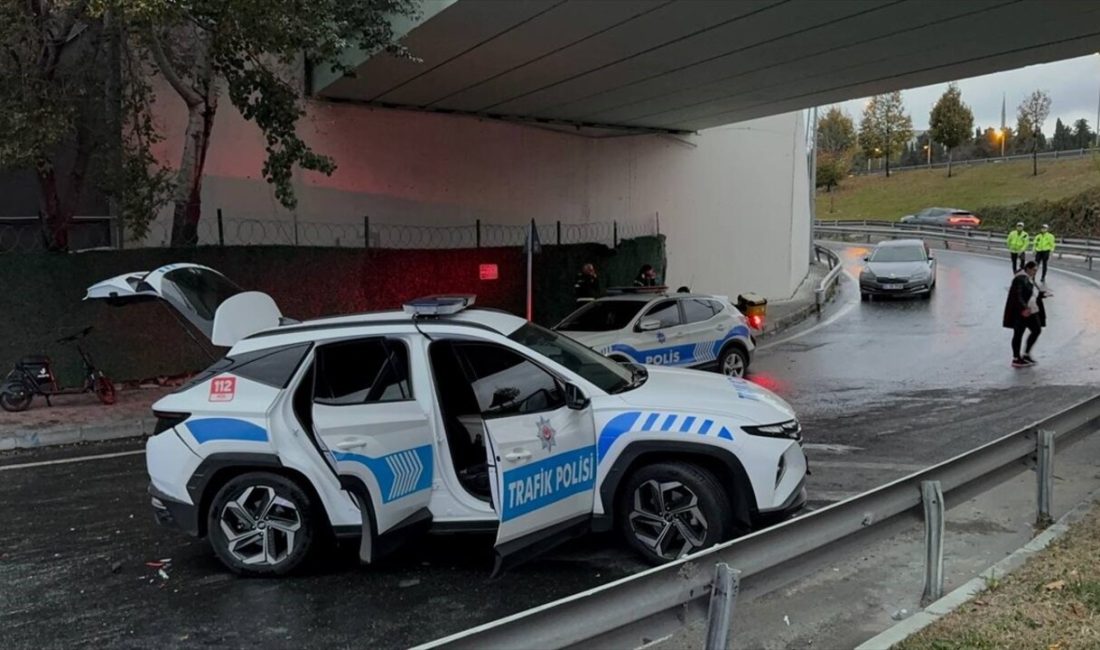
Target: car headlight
[[790, 430], [866, 274]]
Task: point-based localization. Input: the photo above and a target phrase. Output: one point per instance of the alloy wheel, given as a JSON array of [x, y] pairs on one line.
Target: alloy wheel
[[733, 365], [667, 519], [260, 527]]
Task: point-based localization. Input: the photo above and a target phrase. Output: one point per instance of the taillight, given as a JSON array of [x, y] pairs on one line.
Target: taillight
[[756, 321]]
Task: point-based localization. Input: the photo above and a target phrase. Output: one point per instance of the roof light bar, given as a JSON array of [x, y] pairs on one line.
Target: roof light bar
[[438, 305]]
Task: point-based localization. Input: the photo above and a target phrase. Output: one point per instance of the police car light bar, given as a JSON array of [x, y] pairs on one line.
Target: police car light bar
[[438, 305]]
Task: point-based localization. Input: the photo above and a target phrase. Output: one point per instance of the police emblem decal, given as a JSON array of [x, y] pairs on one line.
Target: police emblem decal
[[660, 337], [546, 433]]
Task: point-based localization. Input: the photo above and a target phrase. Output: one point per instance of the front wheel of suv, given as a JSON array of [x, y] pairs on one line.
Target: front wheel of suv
[[261, 523], [668, 510]]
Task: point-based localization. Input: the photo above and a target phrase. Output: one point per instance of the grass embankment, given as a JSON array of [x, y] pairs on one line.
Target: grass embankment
[[1051, 603], [971, 187]]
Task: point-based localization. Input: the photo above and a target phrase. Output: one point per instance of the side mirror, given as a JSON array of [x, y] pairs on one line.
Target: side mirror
[[649, 325], [575, 398], [866, 258]]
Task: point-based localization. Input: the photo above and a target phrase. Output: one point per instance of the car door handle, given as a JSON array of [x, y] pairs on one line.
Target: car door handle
[[350, 444], [517, 455]]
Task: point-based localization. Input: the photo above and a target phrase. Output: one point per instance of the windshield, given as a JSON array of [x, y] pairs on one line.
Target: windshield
[[602, 316], [898, 254], [608, 375]]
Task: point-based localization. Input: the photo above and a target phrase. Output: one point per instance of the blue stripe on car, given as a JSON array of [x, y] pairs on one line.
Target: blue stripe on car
[[216, 429], [398, 474]]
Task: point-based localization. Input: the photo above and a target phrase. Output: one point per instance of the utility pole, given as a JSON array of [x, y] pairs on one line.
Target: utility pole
[[113, 106]]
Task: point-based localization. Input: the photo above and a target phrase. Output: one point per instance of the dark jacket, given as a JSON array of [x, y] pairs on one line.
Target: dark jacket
[[586, 286], [643, 281], [1018, 296]]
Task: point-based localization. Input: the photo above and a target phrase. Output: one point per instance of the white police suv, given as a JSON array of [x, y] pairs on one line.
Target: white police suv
[[680, 329], [444, 418]]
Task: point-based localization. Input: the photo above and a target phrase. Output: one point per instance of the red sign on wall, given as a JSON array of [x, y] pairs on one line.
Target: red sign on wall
[[223, 389], [488, 272]]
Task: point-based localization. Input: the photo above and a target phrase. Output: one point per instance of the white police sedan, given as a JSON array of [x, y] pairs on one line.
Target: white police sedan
[[441, 418], [678, 329]]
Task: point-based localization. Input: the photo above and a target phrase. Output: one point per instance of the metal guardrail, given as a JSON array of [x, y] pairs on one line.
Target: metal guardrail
[[988, 239], [972, 162], [827, 286], [653, 604]]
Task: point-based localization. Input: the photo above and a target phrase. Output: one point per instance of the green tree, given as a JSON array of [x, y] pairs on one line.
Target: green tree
[[1063, 137], [253, 51], [1082, 134], [74, 109], [836, 139], [950, 122], [1030, 115], [885, 128]]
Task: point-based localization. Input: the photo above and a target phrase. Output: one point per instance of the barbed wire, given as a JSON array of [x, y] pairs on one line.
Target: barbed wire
[[26, 234]]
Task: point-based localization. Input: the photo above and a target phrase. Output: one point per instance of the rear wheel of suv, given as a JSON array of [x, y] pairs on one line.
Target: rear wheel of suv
[[261, 524], [668, 510], [734, 362]]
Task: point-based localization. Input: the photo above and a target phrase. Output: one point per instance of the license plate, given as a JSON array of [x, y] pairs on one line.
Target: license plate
[[892, 286]]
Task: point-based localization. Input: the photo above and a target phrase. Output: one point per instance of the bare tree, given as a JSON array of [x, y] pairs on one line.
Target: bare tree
[[1031, 114]]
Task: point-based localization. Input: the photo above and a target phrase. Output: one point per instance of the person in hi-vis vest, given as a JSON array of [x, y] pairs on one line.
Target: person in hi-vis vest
[[1017, 242]]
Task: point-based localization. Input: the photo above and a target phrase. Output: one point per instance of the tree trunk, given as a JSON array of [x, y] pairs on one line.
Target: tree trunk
[[949, 163], [54, 221], [887, 163], [188, 193], [1035, 161]]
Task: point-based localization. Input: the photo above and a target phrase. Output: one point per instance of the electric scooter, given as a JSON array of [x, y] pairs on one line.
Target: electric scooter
[[33, 375]]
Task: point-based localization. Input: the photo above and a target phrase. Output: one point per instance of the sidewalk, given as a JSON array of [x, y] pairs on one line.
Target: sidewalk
[[784, 314], [80, 418]]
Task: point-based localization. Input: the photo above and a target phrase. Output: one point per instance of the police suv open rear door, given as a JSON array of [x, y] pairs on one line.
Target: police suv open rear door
[[223, 312], [540, 448]]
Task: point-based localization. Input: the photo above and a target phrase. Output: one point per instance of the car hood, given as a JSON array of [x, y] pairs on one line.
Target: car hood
[[900, 270], [710, 393]]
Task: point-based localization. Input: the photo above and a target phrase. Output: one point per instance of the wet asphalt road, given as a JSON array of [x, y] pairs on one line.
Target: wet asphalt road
[[883, 389]]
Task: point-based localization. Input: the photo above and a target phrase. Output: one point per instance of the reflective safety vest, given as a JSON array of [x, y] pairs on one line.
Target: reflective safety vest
[[1017, 241], [1044, 241]]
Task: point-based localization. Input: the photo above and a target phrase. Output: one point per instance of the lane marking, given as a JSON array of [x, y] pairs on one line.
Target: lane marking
[[78, 459], [831, 448], [886, 467], [852, 303]]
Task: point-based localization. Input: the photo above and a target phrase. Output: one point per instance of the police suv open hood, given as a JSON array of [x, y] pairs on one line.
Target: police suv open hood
[[712, 393]]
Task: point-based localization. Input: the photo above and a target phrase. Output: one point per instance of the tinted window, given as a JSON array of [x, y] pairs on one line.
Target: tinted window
[[201, 290], [610, 376], [506, 383], [362, 372], [698, 309], [270, 367], [668, 312], [899, 254], [602, 316]]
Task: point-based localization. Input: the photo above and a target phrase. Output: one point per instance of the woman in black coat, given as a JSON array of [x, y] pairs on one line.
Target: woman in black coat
[[1024, 312]]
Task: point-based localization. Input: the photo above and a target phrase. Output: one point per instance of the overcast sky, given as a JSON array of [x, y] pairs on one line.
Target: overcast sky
[[1072, 84]]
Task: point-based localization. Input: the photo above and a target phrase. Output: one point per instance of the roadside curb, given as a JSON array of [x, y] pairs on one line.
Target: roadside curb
[[32, 439], [972, 588]]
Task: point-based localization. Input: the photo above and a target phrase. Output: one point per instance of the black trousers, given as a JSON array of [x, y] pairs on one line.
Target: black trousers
[[1029, 324], [1018, 257], [1041, 258]]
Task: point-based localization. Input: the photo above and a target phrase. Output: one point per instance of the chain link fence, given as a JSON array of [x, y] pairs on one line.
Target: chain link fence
[[26, 233]]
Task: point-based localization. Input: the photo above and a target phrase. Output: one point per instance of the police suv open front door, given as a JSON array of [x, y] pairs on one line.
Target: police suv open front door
[[540, 448], [376, 436]]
